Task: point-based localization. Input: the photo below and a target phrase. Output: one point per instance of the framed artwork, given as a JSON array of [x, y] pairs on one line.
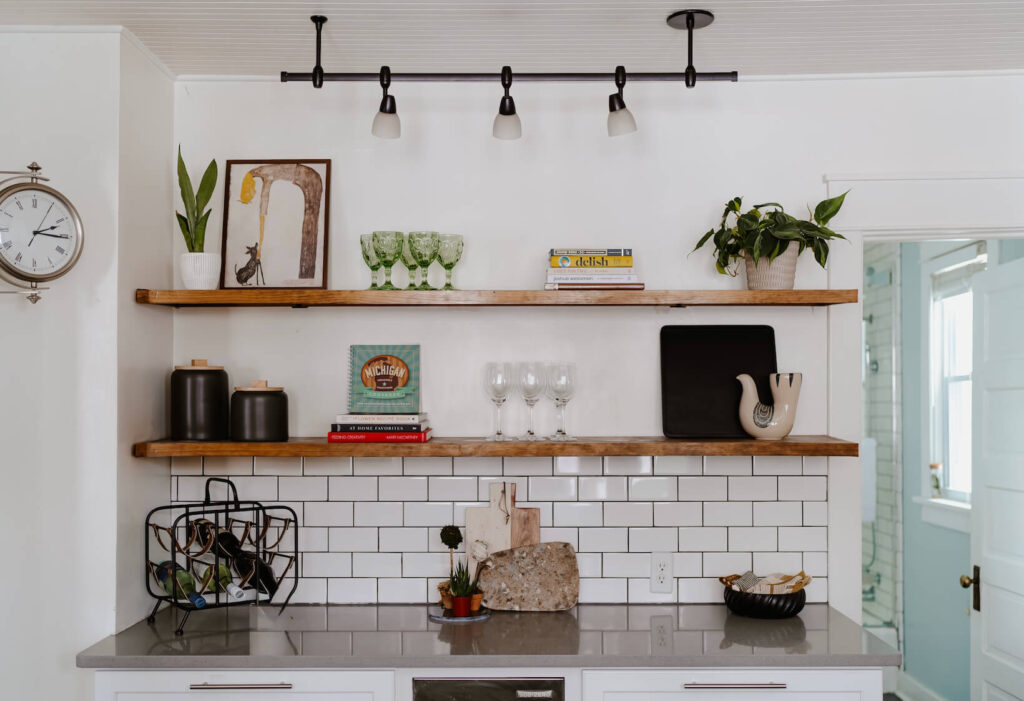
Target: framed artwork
[[276, 217]]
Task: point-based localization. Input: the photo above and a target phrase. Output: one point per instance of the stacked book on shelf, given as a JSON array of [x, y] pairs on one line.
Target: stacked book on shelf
[[592, 269], [380, 428]]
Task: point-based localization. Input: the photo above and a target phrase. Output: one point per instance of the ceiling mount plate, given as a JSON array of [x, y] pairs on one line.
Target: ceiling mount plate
[[701, 18]]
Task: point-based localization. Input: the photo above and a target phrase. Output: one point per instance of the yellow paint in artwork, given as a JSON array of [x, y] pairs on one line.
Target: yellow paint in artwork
[[248, 188]]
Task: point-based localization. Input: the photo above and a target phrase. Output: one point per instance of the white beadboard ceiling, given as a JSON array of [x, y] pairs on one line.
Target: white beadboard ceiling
[[755, 37]]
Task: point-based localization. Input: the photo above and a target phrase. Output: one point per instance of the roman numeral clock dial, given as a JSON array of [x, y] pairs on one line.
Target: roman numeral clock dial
[[41, 234]]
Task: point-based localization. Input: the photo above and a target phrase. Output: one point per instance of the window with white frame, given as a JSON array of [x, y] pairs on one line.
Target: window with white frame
[[951, 361]]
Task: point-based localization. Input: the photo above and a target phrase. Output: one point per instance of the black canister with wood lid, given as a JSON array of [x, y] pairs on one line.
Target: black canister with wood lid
[[199, 402], [259, 413]]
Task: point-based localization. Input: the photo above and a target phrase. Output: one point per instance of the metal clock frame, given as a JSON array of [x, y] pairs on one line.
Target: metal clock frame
[[19, 277]]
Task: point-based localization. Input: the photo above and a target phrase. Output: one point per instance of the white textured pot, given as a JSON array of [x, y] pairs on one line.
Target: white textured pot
[[779, 274], [200, 271]]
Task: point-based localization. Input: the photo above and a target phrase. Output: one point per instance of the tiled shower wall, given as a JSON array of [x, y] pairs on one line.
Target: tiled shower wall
[[370, 526]]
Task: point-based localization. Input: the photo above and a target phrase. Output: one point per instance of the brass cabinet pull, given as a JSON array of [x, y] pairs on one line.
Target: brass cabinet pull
[[734, 685], [207, 686], [966, 581]]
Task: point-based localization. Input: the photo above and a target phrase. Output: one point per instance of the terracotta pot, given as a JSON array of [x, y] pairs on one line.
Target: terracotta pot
[[476, 601], [446, 597], [460, 606]]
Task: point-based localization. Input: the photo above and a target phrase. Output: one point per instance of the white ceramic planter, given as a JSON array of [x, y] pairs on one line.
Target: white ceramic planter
[[200, 271], [779, 274]]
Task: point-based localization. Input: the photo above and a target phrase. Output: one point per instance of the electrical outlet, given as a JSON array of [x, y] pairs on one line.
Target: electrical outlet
[[661, 573]]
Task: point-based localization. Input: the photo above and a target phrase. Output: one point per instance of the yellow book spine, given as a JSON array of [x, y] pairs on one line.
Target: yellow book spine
[[591, 261]]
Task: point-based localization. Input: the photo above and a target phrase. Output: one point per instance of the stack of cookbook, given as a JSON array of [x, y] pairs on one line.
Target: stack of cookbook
[[380, 428], [592, 269]]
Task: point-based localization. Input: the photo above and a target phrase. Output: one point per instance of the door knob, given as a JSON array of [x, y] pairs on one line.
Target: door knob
[[966, 581]]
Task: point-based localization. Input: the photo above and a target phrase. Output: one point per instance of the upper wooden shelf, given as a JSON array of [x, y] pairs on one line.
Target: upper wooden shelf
[[480, 447], [492, 298]]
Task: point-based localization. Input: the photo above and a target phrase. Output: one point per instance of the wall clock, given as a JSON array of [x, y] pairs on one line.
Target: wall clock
[[41, 234]]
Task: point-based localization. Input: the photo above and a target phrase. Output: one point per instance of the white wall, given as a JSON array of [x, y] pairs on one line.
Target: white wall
[[59, 371], [566, 183]]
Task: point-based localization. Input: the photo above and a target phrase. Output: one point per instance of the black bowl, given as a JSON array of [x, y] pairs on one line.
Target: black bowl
[[765, 605]]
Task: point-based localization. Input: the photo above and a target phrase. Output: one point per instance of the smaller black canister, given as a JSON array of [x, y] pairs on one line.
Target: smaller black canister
[[199, 402], [259, 413]]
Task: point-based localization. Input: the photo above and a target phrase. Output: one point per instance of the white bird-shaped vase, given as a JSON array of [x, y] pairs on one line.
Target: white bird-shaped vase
[[770, 421]]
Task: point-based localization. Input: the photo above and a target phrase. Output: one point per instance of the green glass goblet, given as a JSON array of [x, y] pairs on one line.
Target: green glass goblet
[[409, 261], [424, 246], [370, 258], [388, 247], [449, 252]]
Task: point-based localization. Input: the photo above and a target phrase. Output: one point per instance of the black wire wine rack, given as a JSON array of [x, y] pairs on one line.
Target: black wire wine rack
[[251, 545]]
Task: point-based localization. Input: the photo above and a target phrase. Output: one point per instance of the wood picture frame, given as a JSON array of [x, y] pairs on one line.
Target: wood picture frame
[[287, 237]]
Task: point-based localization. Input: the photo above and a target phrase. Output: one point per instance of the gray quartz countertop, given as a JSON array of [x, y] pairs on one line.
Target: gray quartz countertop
[[402, 637]]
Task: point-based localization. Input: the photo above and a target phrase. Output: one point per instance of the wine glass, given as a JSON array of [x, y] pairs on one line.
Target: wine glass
[[388, 247], [561, 387], [370, 258], [424, 246], [500, 383], [449, 252], [532, 383], [410, 263]]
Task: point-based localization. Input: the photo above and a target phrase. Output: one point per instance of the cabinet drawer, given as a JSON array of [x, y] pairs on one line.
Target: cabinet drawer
[[261, 685], [741, 684]]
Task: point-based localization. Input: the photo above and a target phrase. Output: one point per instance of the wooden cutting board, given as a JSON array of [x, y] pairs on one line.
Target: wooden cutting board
[[543, 577], [501, 524]]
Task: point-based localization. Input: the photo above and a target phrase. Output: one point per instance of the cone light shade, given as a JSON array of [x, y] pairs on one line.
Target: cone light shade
[[621, 122], [386, 126], [507, 126]]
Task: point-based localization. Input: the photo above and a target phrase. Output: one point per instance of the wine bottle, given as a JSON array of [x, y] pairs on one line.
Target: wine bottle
[[222, 582], [181, 582]]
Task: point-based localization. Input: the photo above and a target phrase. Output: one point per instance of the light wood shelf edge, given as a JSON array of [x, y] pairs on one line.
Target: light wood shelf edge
[[814, 446], [525, 298]]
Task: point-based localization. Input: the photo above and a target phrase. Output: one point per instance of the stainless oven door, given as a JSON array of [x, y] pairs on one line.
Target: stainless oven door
[[488, 689]]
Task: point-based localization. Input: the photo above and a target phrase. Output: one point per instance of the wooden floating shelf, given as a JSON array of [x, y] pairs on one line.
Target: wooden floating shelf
[[817, 446], [492, 298]]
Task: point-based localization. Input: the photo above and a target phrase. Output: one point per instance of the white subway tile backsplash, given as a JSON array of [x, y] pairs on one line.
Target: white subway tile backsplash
[[778, 465], [402, 488], [602, 591], [816, 564], [817, 591], [328, 513], [552, 488], [678, 513], [302, 488], [326, 565], [652, 488], [425, 565], [313, 540], [459, 509], [352, 591], [186, 466], [769, 563], [399, 591], [378, 513], [678, 465], [805, 538], [816, 513], [289, 467], [227, 467], [352, 488], [402, 540], [602, 488], [329, 467], [429, 513], [723, 564], [426, 466], [628, 513], [560, 535], [578, 466], [377, 466], [522, 487], [310, 591], [728, 513], [627, 565], [653, 539], [815, 466], [687, 564], [452, 489], [703, 488], [753, 488], [578, 513], [778, 513], [639, 592], [476, 467], [727, 465], [603, 540], [353, 539], [703, 539], [527, 466], [757, 538], [589, 564], [376, 565], [803, 488], [628, 465], [698, 591]]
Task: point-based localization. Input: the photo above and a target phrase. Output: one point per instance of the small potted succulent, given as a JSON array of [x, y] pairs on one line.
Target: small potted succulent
[[461, 588], [451, 536], [769, 240], [199, 270]]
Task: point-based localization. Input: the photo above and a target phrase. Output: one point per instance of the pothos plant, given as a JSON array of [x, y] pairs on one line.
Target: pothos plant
[[193, 222], [767, 231]]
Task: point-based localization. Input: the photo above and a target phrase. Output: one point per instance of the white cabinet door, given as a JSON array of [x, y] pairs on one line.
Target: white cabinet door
[[733, 685], [257, 685]]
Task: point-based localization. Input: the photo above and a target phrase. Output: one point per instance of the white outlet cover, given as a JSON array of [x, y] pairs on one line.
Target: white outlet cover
[[661, 573]]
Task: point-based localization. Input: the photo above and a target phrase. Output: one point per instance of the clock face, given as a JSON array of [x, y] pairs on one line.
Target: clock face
[[40, 233]]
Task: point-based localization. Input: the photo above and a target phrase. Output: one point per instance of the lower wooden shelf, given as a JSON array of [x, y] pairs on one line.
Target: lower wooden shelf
[[481, 447]]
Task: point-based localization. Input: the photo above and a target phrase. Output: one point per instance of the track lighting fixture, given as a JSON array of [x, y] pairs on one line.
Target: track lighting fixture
[[620, 119], [386, 124], [506, 122]]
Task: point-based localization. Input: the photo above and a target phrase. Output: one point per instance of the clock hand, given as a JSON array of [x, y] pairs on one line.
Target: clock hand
[[56, 236], [49, 228], [45, 215]]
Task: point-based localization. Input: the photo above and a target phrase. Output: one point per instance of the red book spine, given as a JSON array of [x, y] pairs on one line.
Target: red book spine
[[335, 437]]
